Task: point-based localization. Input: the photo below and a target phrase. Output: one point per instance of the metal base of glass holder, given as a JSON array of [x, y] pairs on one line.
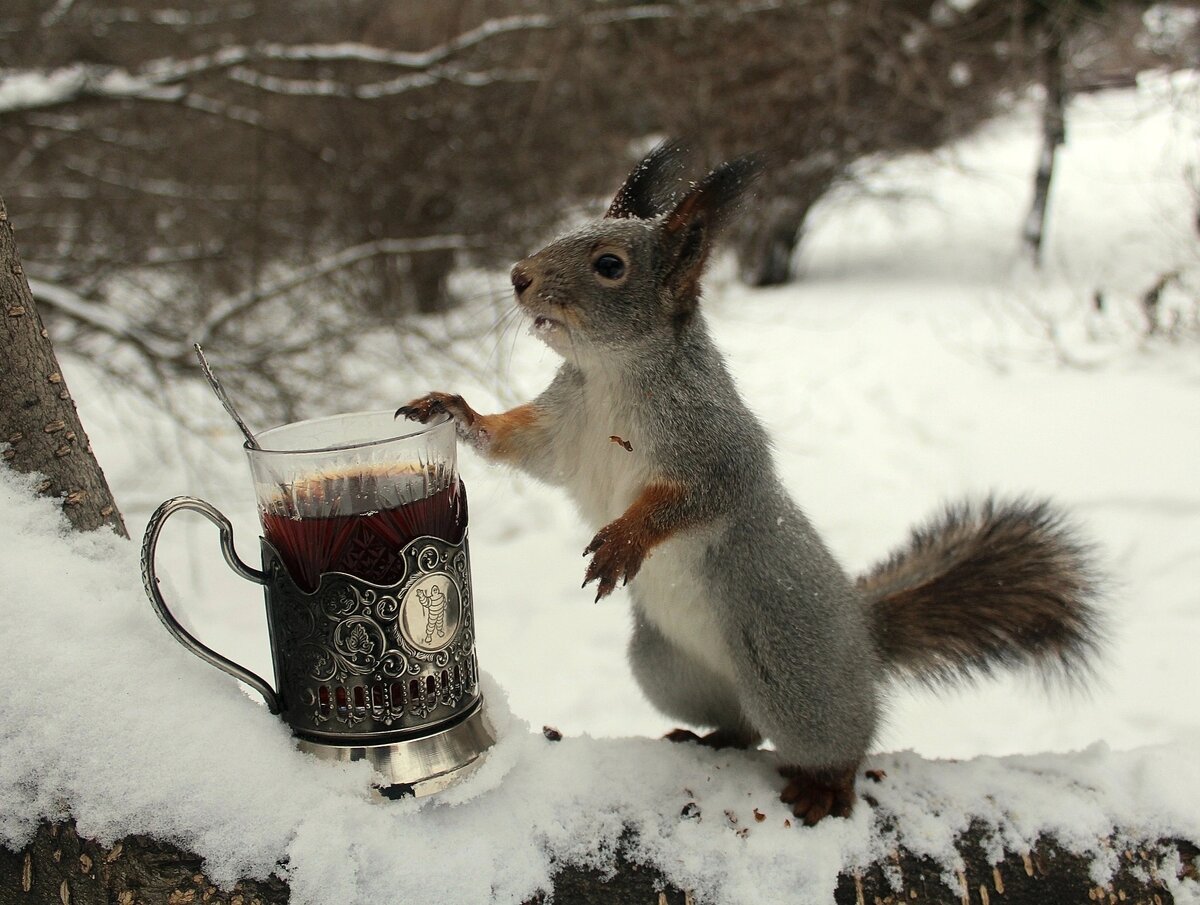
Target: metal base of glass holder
[[420, 766]]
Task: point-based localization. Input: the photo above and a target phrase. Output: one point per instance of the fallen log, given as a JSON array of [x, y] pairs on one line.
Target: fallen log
[[61, 868]]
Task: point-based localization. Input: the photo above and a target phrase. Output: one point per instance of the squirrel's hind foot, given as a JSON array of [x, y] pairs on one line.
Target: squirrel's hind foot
[[815, 794], [720, 738]]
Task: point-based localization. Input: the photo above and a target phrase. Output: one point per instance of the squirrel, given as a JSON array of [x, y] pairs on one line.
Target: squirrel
[[744, 623]]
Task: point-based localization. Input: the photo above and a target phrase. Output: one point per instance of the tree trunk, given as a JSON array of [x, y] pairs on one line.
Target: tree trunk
[[59, 867], [766, 246], [429, 274], [766, 258], [1054, 133], [39, 427]]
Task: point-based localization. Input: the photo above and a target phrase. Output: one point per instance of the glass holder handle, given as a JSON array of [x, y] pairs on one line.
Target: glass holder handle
[[182, 635]]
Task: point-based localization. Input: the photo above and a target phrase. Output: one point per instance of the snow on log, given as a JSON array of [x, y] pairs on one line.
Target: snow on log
[[111, 725]]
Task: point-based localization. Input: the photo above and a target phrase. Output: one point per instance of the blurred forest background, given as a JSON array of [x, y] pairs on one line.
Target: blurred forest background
[[275, 179]]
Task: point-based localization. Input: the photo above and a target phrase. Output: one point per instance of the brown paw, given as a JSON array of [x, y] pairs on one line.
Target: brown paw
[[618, 555], [717, 739], [817, 794], [432, 404]]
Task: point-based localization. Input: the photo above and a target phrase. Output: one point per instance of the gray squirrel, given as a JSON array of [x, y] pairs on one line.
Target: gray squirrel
[[744, 623]]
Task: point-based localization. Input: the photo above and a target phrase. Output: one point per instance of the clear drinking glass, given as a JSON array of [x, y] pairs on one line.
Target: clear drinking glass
[[346, 493], [367, 581]]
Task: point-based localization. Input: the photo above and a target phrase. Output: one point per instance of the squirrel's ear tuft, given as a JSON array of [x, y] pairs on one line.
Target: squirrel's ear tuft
[[689, 231], [717, 196], [649, 190]]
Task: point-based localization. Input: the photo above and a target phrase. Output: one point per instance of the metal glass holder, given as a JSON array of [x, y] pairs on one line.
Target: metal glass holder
[[386, 674]]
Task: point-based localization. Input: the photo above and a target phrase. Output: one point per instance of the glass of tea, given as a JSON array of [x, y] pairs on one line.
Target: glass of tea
[[366, 572], [347, 493]]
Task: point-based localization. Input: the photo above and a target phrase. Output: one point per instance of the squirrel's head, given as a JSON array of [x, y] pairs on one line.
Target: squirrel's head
[[632, 279]]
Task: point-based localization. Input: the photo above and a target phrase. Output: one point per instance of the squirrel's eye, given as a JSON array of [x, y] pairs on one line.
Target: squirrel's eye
[[609, 266]]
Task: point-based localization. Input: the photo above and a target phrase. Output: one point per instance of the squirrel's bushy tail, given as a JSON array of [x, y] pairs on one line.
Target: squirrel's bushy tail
[[988, 585]]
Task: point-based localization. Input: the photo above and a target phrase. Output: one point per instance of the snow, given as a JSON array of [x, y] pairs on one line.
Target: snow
[[148, 738], [22, 90], [919, 360]]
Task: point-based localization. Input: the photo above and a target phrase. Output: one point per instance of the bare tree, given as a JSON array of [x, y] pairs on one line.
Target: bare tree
[[1087, 45], [40, 431], [1054, 134], [276, 179]]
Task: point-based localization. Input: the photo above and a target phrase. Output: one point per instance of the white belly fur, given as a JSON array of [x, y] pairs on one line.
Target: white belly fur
[[604, 479], [670, 592]]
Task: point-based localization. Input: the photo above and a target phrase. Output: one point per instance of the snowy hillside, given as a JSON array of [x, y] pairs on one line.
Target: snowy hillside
[[919, 360]]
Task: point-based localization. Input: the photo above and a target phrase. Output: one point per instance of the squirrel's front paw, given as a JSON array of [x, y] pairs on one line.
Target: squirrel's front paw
[[427, 406], [619, 553]]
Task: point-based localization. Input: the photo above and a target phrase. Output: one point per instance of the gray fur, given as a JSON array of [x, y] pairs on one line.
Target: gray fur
[[806, 663], [743, 620], [795, 628], [799, 634], [681, 686]]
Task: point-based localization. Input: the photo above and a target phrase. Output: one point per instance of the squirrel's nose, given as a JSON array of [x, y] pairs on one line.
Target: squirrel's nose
[[520, 279]]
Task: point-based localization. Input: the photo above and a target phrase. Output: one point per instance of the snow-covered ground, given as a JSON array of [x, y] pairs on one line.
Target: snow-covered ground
[[919, 360]]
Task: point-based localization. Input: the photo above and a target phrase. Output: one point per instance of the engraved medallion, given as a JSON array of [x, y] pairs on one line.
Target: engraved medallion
[[431, 612]]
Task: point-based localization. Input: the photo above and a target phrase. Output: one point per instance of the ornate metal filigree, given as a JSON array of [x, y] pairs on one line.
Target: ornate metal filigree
[[353, 659]]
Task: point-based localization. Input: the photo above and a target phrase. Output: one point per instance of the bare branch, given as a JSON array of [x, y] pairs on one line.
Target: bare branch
[[373, 90], [56, 12], [242, 303], [100, 317], [161, 79], [115, 324], [364, 53]]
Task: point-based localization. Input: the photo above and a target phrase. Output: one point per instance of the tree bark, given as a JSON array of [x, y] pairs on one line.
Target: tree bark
[[767, 246], [59, 867], [39, 426], [1054, 134]]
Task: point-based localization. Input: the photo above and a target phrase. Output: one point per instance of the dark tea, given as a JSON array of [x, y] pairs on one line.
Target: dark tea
[[359, 523]]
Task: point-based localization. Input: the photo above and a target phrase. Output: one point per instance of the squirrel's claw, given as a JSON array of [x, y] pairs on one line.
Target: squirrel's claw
[[615, 557], [816, 794], [408, 411], [422, 409], [425, 407], [608, 582]]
